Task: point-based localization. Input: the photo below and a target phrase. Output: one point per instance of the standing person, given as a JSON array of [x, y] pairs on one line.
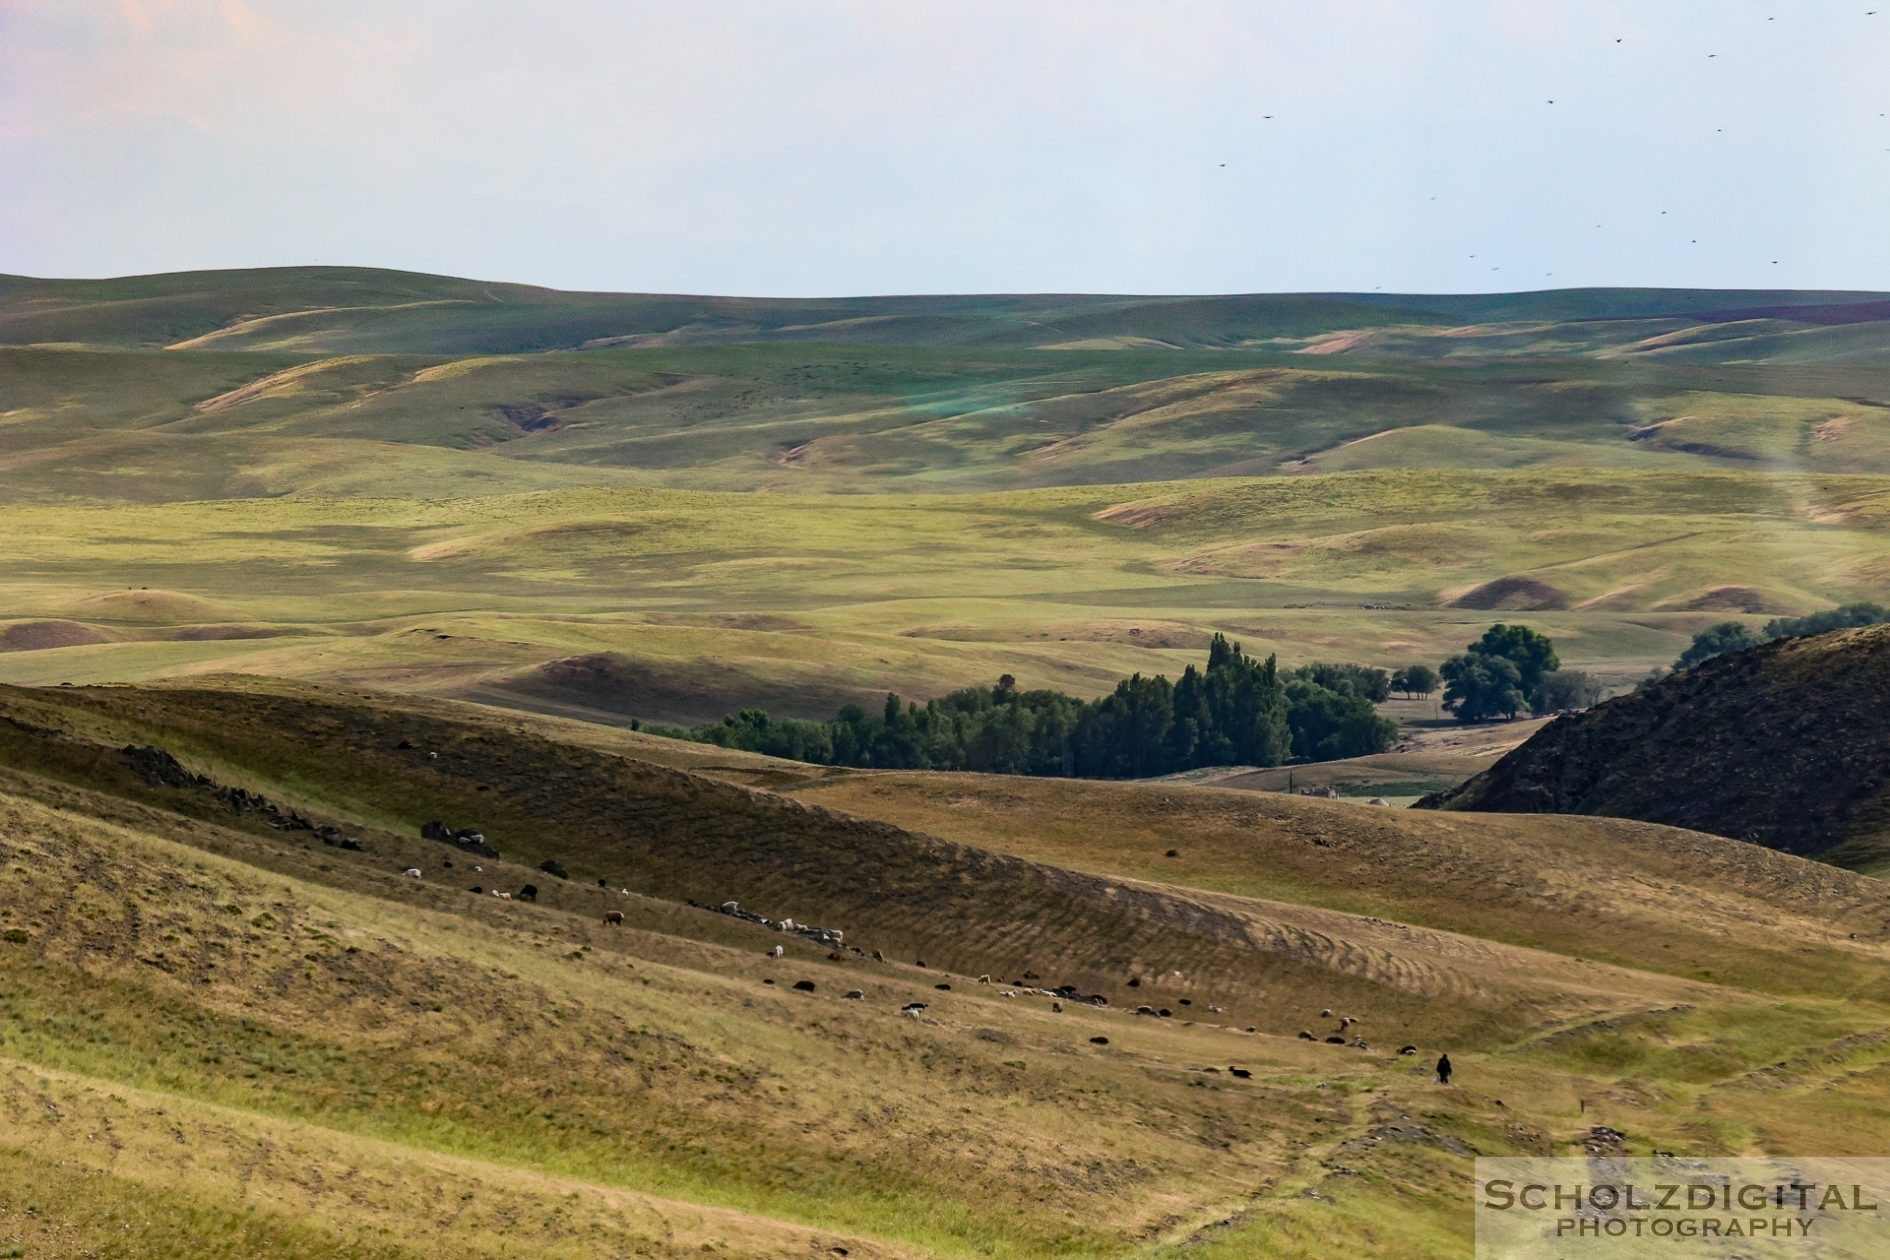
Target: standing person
[[1443, 1069]]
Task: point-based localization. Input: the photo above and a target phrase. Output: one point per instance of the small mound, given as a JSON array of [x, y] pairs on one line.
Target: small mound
[[151, 606], [1508, 594], [37, 636], [1741, 599]]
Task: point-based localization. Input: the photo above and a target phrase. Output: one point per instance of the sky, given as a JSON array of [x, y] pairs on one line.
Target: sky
[[822, 147]]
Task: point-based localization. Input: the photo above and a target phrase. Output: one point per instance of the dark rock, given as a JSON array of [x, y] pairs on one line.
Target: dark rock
[[554, 868]]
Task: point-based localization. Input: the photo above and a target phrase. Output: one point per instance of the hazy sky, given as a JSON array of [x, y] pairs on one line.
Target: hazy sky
[[875, 146]]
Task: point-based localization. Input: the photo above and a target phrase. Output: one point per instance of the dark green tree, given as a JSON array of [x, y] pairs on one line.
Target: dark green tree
[[1415, 681], [1328, 724], [1530, 651], [1727, 636], [1479, 687], [1565, 689], [1845, 617]]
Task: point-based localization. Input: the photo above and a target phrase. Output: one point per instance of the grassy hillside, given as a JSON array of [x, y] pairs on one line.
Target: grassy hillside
[[656, 506], [215, 1029], [1784, 745]]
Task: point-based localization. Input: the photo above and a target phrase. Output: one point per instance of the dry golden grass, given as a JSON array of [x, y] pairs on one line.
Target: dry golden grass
[[221, 1039]]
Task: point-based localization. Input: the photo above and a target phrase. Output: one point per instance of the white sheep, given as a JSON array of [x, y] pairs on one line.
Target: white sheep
[[412, 872]]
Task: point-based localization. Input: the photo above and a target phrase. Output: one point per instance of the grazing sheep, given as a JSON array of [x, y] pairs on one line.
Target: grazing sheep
[[1326, 1014], [502, 896], [613, 918], [1335, 1041], [942, 986], [1057, 1007], [1099, 1041], [805, 986], [528, 893], [412, 872], [1306, 1036], [1239, 1072], [912, 1010], [984, 979], [777, 951], [1407, 1049], [854, 995]]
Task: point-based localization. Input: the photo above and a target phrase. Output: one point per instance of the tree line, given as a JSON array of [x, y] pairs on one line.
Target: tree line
[[1237, 710], [1736, 636]]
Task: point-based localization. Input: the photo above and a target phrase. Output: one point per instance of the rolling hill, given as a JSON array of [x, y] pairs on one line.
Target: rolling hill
[[665, 507], [1784, 745], [225, 1011]]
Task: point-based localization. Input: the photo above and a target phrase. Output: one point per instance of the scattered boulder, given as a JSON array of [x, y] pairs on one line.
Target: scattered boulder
[[1335, 1041], [554, 868], [528, 893]]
